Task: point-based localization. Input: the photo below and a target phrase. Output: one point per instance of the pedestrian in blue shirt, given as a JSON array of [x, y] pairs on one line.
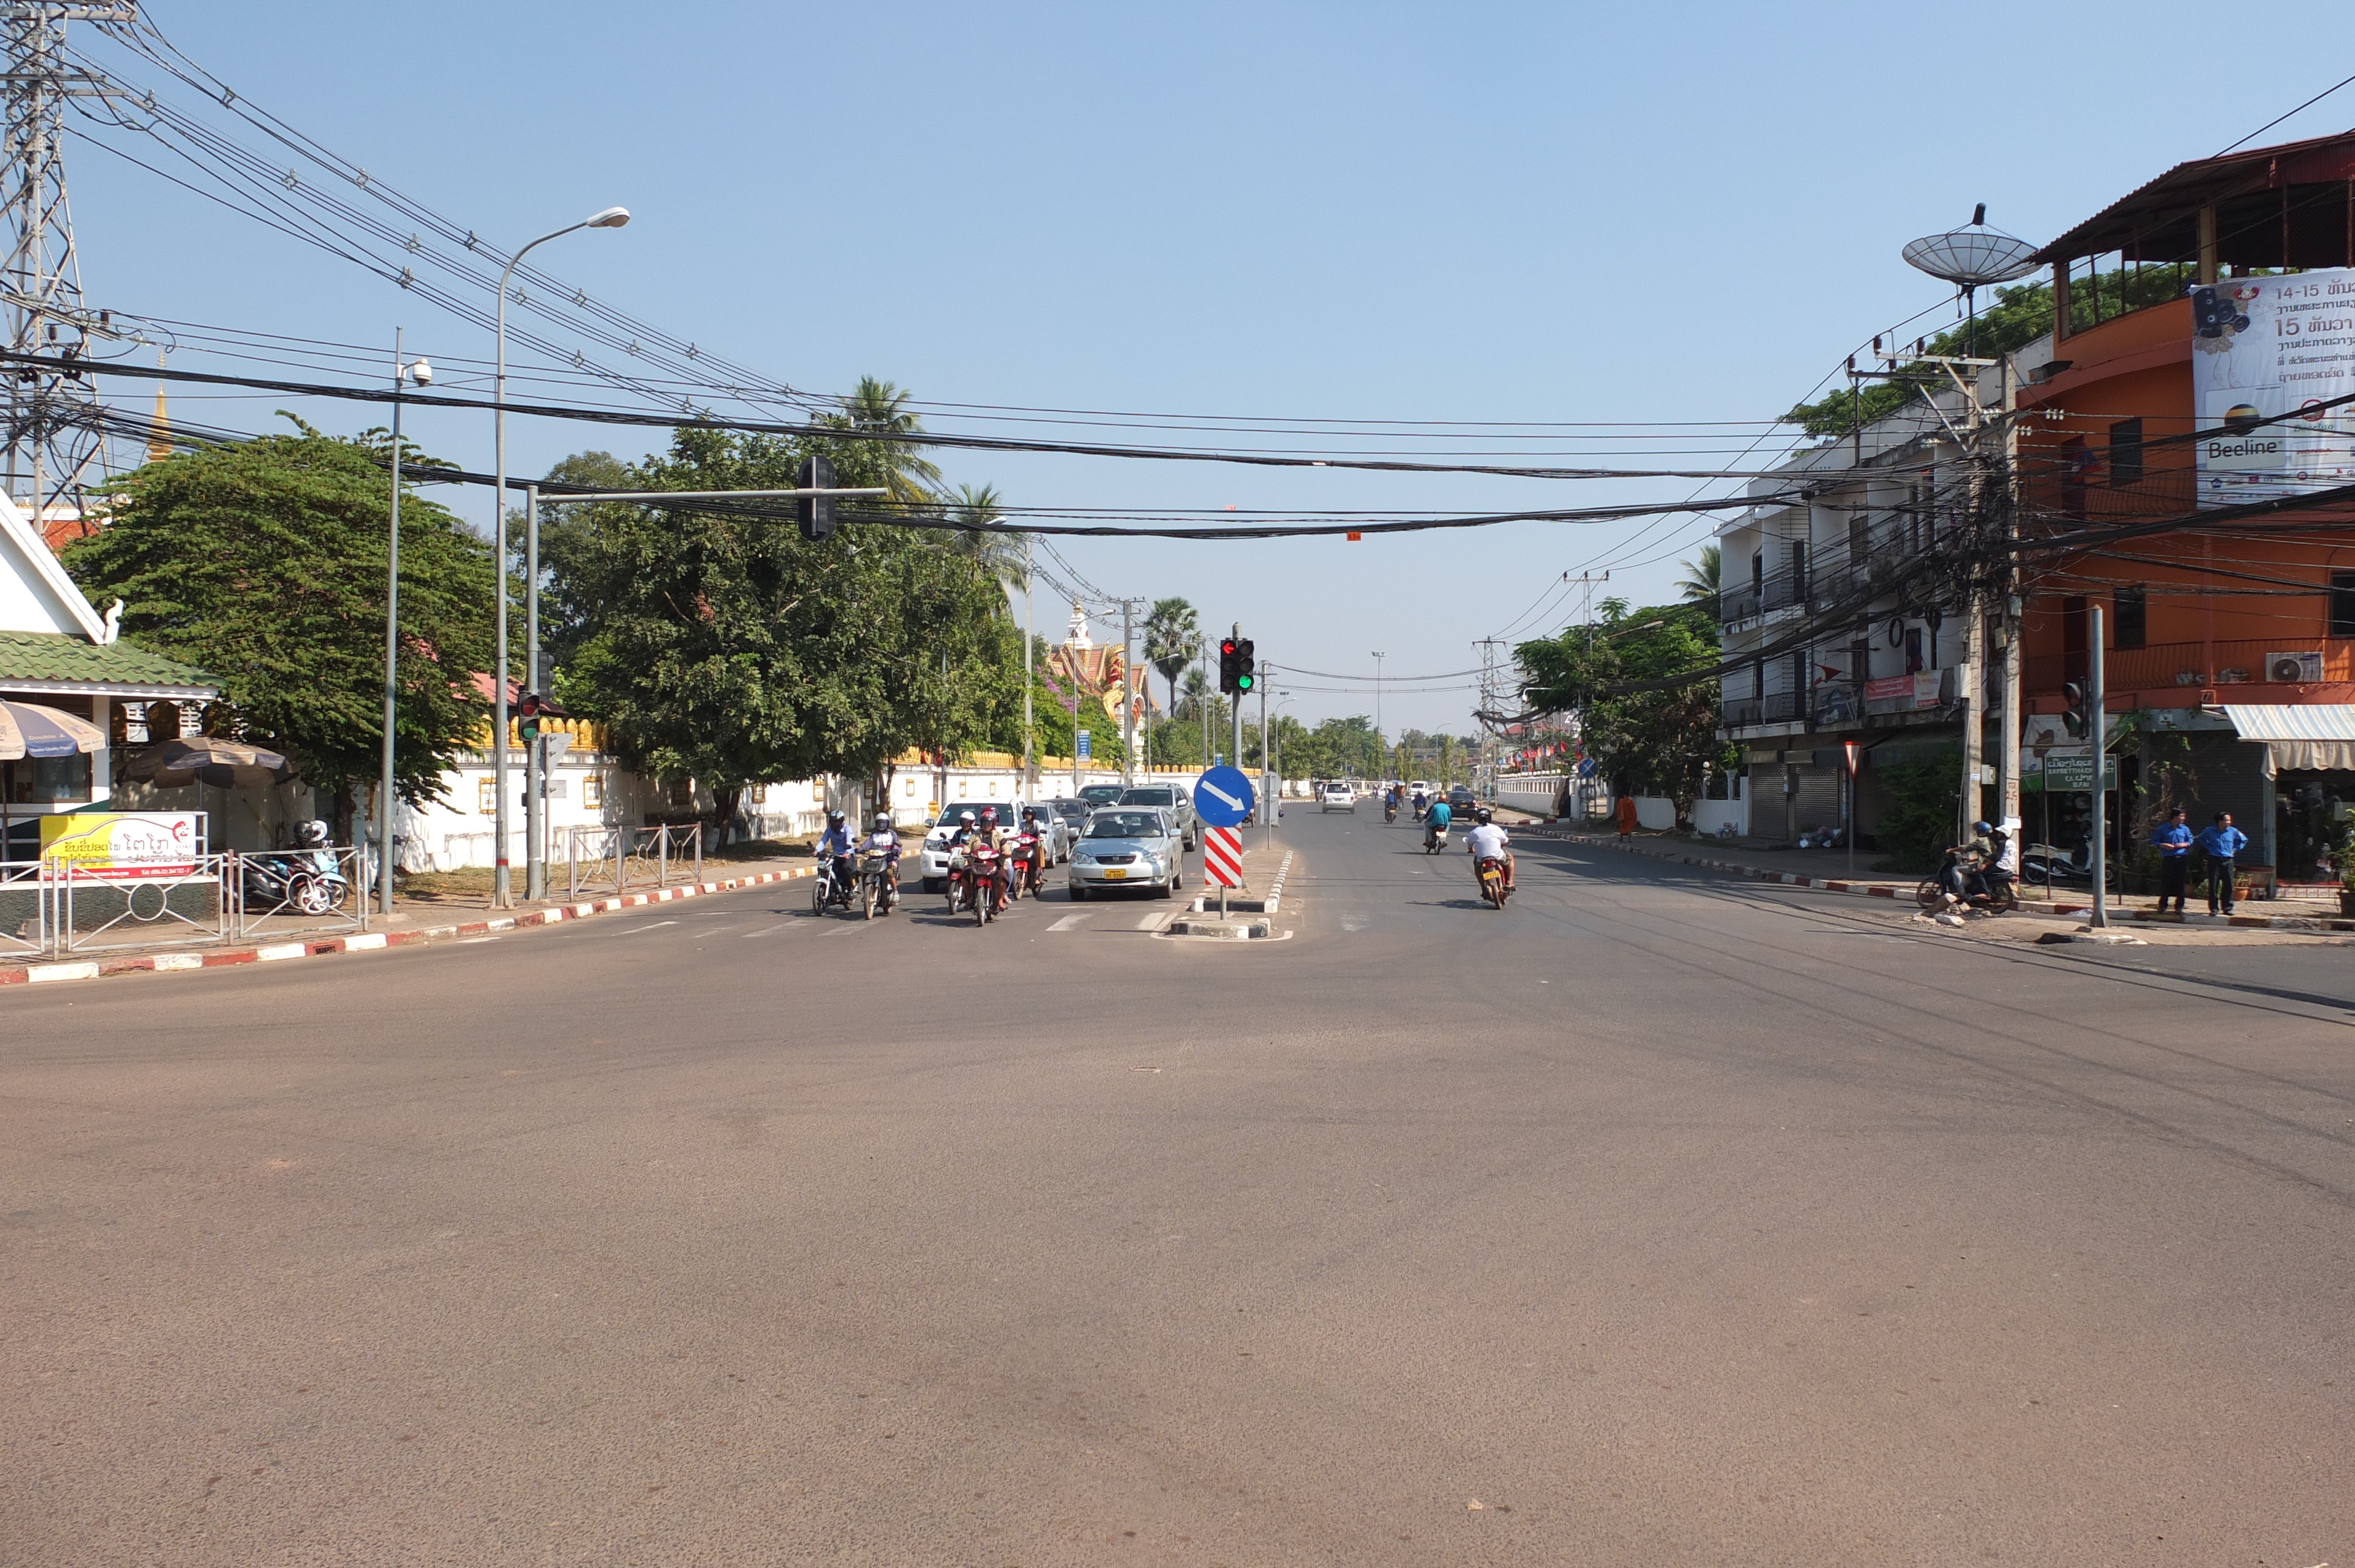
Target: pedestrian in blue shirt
[[2173, 842], [2218, 846]]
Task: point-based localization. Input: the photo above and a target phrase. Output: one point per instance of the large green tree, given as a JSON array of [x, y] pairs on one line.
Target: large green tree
[[722, 645], [1655, 742], [263, 563]]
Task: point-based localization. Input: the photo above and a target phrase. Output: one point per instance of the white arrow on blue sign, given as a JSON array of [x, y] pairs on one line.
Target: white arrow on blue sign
[[1222, 796]]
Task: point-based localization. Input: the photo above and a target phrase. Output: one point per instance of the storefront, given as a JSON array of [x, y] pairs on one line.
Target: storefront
[[2310, 761], [115, 692]]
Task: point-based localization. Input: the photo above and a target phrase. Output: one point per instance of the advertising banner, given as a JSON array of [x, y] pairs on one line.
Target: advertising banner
[[124, 845], [2263, 347]]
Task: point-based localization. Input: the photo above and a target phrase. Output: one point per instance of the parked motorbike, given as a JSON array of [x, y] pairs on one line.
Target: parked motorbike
[[1434, 841], [1492, 881], [1996, 892], [305, 880], [877, 891]]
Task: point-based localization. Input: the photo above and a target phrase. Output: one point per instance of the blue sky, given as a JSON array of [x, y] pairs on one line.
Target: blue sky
[[1572, 214]]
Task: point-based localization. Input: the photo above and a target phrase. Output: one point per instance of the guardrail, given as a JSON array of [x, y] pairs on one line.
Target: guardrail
[[615, 859], [185, 905]]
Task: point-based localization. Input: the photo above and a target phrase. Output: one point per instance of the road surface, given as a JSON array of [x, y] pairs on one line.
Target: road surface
[[1662, 1218]]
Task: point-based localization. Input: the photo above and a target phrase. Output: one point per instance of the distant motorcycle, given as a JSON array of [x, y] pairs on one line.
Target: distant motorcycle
[[1435, 840], [877, 891], [305, 880]]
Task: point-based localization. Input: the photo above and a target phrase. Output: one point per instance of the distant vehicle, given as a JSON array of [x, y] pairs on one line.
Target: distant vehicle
[[1419, 785], [1336, 796], [1128, 846], [1172, 800], [1075, 813], [1102, 794], [1461, 798]]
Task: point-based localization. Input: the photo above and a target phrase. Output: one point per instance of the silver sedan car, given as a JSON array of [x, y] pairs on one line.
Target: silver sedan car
[[1128, 846]]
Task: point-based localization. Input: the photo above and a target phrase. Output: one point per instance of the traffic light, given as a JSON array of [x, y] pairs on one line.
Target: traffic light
[[2074, 718], [1236, 674], [527, 716], [815, 513]]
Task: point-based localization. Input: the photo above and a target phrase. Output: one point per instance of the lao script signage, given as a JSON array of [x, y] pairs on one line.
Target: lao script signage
[[124, 845]]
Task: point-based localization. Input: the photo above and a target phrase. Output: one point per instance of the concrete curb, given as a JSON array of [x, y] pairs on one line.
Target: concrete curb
[[1275, 888], [372, 941]]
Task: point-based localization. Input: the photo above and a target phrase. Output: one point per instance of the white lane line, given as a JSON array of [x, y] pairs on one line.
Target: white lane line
[[853, 930], [1154, 922], [1353, 922], [1068, 922], [771, 930], [659, 924]]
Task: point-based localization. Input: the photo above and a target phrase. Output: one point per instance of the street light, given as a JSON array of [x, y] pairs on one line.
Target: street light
[[403, 373], [502, 894], [1377, 703]]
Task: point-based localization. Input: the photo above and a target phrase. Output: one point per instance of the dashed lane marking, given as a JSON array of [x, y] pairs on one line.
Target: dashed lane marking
[[1068, 923]]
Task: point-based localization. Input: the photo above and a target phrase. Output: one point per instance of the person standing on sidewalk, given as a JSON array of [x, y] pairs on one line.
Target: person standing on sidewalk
[[2173, 840], [2218, 846], [1626, 816]]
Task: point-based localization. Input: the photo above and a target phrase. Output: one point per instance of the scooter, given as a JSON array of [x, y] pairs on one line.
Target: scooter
[[1998, 895], [879, 891], [1389, 809], [1435, 840], [305, 880], [985, 876], [1492, 881]]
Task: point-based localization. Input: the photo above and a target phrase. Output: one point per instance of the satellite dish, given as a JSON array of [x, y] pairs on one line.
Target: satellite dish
[[1973, 257]]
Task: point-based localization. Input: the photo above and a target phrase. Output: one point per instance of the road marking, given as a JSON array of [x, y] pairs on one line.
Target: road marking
[[659, 924], [1154, 922], [1068, 922], [849, 930], [1353, 922], [770, 931]]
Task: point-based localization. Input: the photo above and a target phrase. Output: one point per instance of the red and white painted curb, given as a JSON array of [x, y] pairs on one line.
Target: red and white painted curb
[[370, 941]]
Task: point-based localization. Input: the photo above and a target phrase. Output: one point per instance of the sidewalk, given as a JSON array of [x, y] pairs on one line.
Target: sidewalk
[[412, 922], [1823, 870]]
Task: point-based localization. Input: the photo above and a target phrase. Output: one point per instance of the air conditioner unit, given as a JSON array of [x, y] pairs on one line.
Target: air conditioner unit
[[2294, 668]]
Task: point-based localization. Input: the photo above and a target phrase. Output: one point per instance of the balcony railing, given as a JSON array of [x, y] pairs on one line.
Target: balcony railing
[[1775, 707], [2185, 664]]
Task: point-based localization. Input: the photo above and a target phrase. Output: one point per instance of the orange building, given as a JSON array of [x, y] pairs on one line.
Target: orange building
[[2226, 591]]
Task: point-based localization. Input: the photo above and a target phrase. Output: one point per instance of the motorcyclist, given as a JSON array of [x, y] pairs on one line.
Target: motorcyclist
[[833, 847], [1039, 833], [1486, 840], [1435, 820], [1964, 871], [1421, 803], [994, 833], [885, 841]]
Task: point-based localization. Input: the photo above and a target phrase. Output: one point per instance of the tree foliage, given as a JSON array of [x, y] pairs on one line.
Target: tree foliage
[[727, 648], [263, 563], [1645, 743]]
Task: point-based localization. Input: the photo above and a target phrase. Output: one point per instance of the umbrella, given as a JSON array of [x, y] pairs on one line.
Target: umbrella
[[28, 730], [202, 760]]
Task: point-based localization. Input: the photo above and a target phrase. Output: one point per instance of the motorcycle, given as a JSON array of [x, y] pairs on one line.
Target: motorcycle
[[877, 887], [1997, 893], [305, 880], [1025, 867], [829, 888], [1389, 811], [1492, 881], [986, 883], [1435, 840]]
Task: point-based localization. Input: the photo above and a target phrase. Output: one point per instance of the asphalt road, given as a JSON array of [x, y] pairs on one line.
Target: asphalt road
[[1661, 1218]]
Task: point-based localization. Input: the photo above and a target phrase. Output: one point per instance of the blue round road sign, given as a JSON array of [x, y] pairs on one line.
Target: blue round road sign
[[1222, 796]]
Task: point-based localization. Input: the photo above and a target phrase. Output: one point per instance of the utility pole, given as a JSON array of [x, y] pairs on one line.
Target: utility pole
[[1266, 802], [535, 753], [2098, 721], [1127, 707], [52, 414], [2008, 800], [1379, 745], [1030, 637]]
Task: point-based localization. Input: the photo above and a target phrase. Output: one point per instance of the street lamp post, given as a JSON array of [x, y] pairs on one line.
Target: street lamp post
[[1379, 745], [402, 373], [502, 892]]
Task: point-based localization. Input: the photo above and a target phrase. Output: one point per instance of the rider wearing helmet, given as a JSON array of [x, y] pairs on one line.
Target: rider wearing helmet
[[834, 848], [1486, 840], [1967, 863], [884, 841], [1038, 835]]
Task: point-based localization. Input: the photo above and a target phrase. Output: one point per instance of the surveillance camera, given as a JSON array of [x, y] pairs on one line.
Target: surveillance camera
[[422, 373]]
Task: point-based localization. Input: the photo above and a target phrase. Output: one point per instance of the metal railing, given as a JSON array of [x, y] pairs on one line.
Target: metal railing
[[24, 910], [292, 891], [615, 859], [191, 906]]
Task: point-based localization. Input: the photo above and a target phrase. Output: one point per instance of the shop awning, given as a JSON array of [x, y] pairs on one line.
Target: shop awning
[[2298, 735]]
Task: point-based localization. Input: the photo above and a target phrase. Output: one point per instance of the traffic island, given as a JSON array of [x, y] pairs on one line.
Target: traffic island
[[1211, 925]]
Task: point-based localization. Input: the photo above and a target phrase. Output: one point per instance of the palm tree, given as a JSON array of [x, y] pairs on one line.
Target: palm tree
[[1002, 556], [1700, 579], [878, 405], [1172, 638]]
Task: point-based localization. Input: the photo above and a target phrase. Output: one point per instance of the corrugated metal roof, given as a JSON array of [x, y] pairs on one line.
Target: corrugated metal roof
[[2293, 721], [53, 657]]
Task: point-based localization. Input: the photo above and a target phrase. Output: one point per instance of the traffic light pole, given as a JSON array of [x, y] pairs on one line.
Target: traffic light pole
[[1266, 801], [1236, 713]]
